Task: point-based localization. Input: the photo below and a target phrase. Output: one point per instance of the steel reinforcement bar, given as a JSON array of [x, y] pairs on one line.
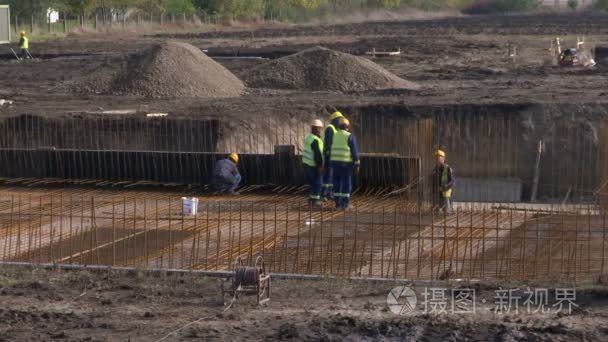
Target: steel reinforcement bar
[[385, 238]]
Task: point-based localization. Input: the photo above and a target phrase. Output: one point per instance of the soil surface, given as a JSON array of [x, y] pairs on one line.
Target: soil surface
[[324, 69], [40, 305], [455, 61]]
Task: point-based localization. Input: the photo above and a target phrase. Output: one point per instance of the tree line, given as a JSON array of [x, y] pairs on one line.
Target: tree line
[[287, 10]]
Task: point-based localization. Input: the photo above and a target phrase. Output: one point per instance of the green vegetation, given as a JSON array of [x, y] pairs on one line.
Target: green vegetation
[[601, 5], [284, 10], [503, 6]]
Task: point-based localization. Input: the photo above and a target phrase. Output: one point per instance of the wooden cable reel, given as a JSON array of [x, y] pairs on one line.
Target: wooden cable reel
[[249, 281]]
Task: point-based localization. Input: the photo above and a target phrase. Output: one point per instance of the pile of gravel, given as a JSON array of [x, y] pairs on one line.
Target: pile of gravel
[[170, 69], [324, 69]]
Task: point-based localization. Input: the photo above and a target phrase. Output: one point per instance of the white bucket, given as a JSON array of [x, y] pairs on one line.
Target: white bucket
[[190, 206]]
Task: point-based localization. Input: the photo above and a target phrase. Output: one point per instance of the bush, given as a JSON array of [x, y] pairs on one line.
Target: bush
[[601, 5], [573, 4], [503, 6], [459, 4]]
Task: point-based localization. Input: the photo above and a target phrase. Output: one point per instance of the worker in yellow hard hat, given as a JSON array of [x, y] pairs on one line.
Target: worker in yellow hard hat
[[226, 177], [344, 161], [313, 161], [443, 182], [24, 45], [328, 135]]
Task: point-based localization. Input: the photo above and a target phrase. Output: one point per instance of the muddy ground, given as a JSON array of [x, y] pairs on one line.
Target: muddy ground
[[456, 60], [43, 305]]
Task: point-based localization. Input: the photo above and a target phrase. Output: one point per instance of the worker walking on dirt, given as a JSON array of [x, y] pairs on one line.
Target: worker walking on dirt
[[328, 135], [443, 182], [313, 161], [344, 160], [24, 45], [226, 176]]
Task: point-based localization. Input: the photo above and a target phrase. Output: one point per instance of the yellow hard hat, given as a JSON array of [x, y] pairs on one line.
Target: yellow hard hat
[[23, 33], [344, 122], [336, 114], [440, 153], [234, 157]]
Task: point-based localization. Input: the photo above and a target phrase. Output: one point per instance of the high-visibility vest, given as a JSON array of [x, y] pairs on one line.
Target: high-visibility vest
[[444, 182], [25, 44], [340, 151], [332, 127], [308, 157]]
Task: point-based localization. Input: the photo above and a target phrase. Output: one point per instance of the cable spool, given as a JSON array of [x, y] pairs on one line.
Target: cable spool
[[246, 275], [250, 280]]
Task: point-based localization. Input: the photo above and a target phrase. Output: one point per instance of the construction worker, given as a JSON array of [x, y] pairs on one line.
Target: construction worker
[[330, 130], [226, 176], [24, 45], [344, 160], [443, 182], [312, 159]]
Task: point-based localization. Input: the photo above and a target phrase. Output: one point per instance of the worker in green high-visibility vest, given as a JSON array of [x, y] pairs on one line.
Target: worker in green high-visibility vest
[[330, 131], [313, 161], [24, 45], [344, 161], [443, 183]]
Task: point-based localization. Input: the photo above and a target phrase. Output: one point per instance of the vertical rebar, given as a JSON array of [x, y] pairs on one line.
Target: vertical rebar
[[113, 231], [145, 246], [61, 226], [371, 250], [354, 249], [536, 247], [207, 237], [432, 245], [10, 224], [296, 266], [483, 242], [275, 237], [18, 249]]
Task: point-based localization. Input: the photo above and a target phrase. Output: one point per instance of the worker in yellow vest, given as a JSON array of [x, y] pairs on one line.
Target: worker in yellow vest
[[313, 161], [24, 45], [443, 183], [344, 160], [328, 135]]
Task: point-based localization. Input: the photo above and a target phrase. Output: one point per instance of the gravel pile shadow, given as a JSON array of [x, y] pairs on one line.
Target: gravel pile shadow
[[324, 69], [170, 69]]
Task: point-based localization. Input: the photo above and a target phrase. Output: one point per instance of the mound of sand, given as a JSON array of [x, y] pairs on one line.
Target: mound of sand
[[324, 69], [170, 69]]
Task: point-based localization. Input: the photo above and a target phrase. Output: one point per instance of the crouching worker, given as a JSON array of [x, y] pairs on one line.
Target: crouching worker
[[344, 160], [226, 177], [312, 158]]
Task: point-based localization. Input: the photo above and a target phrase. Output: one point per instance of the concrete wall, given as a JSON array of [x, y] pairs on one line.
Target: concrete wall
[[487, 190]]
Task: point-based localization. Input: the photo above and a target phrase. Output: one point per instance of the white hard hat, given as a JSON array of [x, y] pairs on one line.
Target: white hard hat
[[317, 123]]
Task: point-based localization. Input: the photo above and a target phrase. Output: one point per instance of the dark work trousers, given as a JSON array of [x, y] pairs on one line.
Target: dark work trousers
[[343, 183], [315, 181]]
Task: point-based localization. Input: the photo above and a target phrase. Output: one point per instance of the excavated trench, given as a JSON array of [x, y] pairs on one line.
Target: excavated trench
[[492, 148]]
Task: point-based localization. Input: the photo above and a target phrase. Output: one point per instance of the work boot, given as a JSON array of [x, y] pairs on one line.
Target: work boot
[[315, 203]]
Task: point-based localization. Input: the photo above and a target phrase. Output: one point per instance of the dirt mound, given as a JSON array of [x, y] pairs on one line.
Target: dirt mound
[[323, 69], [170, 69]]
